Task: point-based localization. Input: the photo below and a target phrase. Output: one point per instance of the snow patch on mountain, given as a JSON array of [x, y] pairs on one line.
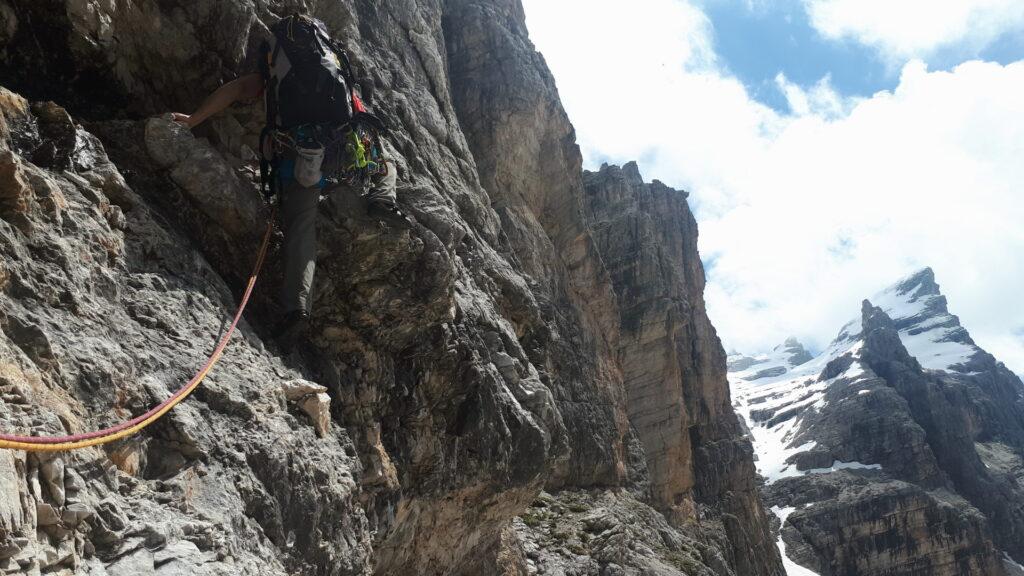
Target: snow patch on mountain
[[837, 465], [772, 391], [774, 406], [792, 568], [928, 331]]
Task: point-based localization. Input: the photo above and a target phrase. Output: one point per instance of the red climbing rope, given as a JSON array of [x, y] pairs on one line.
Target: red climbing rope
[[76, 441]]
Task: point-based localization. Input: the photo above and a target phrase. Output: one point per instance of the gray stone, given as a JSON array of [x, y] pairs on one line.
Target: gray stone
[[770, 372], [75, 514], [11, 492], [139, 563], [298, 389], [52, 473], [73, 484], [46, 515], [8, 550], [52, 557], [182, 550], [607, 532], [206, 178]]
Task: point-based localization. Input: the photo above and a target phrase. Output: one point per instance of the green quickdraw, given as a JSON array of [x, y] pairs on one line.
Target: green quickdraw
[[363, 155]]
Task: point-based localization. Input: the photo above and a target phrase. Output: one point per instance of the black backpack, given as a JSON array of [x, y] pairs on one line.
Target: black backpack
[[308, 77], [310, 95]]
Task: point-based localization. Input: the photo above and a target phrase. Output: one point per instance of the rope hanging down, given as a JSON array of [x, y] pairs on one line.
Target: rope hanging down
[[76, 441]]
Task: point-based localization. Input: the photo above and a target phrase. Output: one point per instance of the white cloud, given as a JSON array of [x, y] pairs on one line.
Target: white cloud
[[904, 29], [806, 214], [821, 100]]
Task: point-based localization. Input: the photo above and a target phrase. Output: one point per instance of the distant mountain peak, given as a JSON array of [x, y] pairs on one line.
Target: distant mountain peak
[[902, 394], [914, 308], [796, 351], [881, 337], [874, 318], [919, 284], [919, 312], [780, 360]]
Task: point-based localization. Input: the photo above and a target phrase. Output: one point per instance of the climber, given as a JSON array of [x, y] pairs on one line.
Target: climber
[[319, 134]]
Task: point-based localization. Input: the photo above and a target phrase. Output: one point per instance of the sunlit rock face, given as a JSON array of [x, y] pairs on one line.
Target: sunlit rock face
[[672, 361], [903, 438], [538, 338]]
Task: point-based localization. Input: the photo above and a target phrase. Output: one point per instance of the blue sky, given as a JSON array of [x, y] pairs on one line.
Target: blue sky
[[830, 147], [757, 42]]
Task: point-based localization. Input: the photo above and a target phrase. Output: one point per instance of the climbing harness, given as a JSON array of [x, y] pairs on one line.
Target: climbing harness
[[347, 154], [77, 441]]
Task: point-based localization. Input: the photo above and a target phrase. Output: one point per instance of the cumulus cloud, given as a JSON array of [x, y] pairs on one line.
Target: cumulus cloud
[[903, 29], [803, 215], [927, 174], [821, 100]]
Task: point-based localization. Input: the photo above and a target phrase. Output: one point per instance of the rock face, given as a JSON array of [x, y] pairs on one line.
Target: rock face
[[833, 519], [105, 312], [538, 329], [530, 165], [898, 450], [611, 532], [672, 360]]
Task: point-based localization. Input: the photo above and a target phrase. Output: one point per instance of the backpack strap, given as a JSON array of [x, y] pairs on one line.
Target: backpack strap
[[359, 113], [346, 66], [346, 62], [268, 58], [268, 166]]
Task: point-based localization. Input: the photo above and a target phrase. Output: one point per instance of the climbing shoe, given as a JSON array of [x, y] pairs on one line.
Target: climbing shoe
[[291, 328], [389, 212]]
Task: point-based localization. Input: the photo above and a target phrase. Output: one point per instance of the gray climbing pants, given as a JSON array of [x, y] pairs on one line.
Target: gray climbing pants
[[299, 207]]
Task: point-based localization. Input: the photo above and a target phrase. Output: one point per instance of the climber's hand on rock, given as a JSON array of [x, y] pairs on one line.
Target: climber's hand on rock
[[183, 119]]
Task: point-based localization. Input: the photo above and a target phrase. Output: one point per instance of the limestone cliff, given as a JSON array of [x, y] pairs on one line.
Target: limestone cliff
[[671, 358], [502, 357]]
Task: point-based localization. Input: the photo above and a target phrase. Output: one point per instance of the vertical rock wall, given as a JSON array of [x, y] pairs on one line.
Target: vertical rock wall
[[672, 361], [503, 345], [528, 161]]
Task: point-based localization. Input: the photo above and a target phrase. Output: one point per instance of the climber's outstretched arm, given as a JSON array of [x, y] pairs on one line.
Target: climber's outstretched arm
[[241, 88]]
